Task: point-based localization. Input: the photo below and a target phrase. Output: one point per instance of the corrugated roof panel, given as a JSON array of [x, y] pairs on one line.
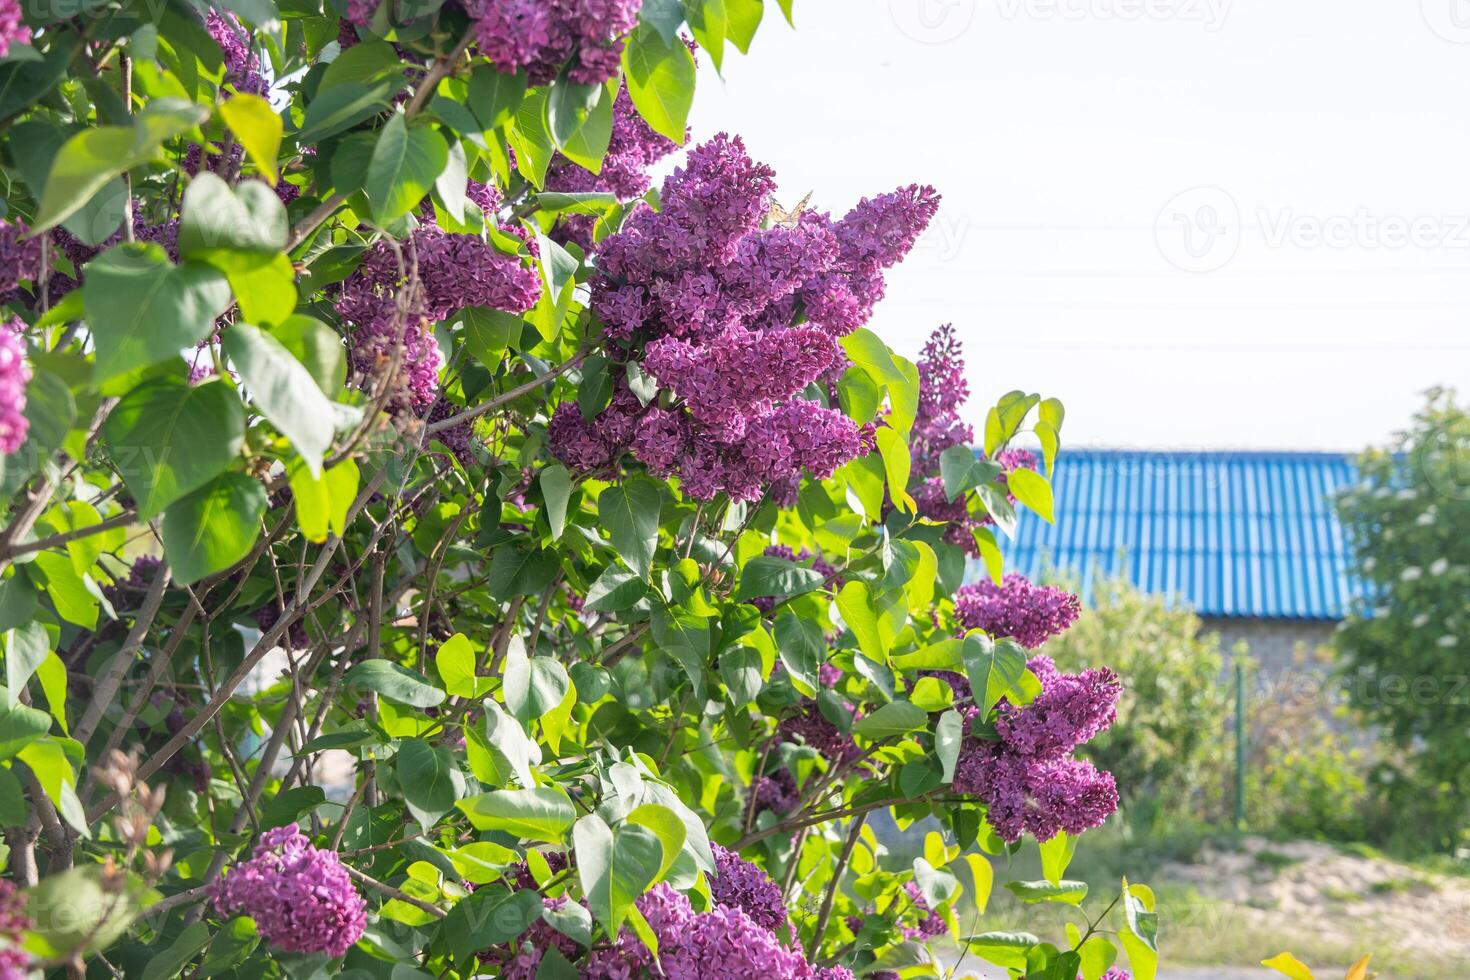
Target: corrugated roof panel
[[1232, 534]]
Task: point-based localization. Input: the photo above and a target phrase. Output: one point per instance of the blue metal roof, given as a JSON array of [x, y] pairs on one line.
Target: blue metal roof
[[1248, 534]]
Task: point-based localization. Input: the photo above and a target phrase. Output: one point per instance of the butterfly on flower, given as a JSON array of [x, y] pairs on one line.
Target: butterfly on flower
[[779, 217]]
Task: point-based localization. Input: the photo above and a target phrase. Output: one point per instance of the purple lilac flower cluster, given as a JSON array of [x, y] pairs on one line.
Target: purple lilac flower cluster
[[12, 29], [542, 35], [384, 306], [809, 726], [1028, 779], [930, 923], [14, 923], [15, 374], [766, 603], [1029, 614], [776, 792], [20, 257], [242, 64], [938, 425], [723, 942], [734, 322], [300, 897], [296, 637], [125, 589], [740, 884]]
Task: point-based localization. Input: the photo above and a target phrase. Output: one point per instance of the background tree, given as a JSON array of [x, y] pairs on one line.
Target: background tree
[[1403, 650]]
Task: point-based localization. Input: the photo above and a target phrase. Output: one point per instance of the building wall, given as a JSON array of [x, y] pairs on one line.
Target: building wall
[[1277, 645]]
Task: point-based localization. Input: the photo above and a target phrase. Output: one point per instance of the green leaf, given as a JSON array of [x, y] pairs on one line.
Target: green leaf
[[556, 490], [1056, 854], [142, 309], [891, 720], [364, 63], [962, 471], [517, 571], [494, 96], [1097, 955], [489, 333], [949, 735], [406, 161], [52, 675], [214, 527], [168, 438], [707, 22], [394, 682], [17, 602], [989, 553], [765, 575], [318, 347], [659, 74], [615, 590], [19, 727], [901, 379], [77, 911], [630, 514], [1033, 490], [1031, 892], [588, 145], [855, 603], [26, 647], [92, 157], [455, 661], [993, 667], [506, 749], [452, 183], [170, 962], [615, 867], [1005, 949], [429, 779], [341, 107], [13, 809], [1284, 964], [284, 390], [85, 163], [533, 685], [740, 669], [743, 18], [322, 502], [247, 218], [544, 813], [257, 128]]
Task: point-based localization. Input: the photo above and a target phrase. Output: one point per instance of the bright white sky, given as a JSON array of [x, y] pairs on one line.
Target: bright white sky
[[1062, 134]]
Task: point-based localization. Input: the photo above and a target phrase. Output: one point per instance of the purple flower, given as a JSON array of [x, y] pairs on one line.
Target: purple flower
[[14, 923], [1071, 709], [1029, 614], [392, 314], [776, 792], [1028, 780], [542, 35], [740, 884], [15, 374], [12, 29], [300, 897], [724, 942], [242, 65], [930, 923]]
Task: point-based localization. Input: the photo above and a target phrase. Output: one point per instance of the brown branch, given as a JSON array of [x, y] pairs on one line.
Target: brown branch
[[853, 834], [509, 396], [111, 679]]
